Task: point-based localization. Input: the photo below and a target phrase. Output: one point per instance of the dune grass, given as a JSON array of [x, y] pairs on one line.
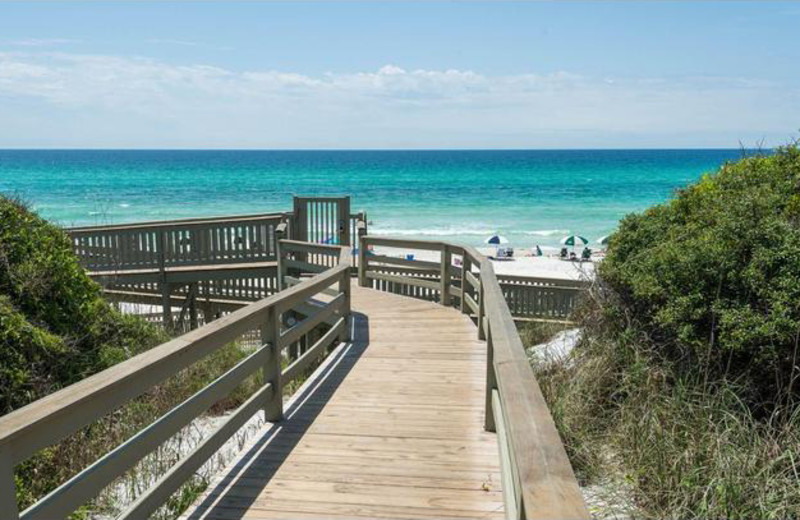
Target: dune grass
[[661, 445]]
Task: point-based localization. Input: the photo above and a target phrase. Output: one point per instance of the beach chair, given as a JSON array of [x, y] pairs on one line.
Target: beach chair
[[563, 254], [505, 253]]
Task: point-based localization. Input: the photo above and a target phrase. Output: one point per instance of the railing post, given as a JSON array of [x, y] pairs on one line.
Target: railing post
[[271, 334], [344, 288], [491, 382], [166, 306], [466, 287], [481, 310], [280, 232], [8, 488], [361, 230], [362, 261], [445, 275], [162, 252], [193, 305]]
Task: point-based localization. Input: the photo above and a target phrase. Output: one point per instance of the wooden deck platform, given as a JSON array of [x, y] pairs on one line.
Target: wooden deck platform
[[392, 427]]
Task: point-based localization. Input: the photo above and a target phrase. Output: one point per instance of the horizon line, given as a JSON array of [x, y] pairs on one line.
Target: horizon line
[[188, 149]]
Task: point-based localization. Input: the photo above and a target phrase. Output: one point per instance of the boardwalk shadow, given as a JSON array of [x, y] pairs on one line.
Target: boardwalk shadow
[[261, 461]]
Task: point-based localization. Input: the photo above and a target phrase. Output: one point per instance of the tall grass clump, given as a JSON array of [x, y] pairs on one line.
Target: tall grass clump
[[683, 389]]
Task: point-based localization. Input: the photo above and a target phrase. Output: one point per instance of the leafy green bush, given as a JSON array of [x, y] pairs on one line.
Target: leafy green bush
[[55, 328], [713, 277], [679, 399]]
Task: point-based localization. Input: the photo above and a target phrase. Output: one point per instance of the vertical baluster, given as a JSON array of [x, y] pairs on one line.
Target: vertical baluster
[[224, 243]]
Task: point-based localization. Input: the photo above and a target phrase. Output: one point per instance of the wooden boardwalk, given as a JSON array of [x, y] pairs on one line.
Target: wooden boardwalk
[[392, 427], [398, 421]]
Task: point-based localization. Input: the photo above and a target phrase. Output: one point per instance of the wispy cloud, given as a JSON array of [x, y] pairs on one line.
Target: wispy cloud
[[42, 42], [148, 102], [186, 43]]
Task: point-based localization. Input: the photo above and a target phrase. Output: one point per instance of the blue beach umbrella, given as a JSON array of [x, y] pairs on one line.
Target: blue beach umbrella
[[496, 240], [574, 240]]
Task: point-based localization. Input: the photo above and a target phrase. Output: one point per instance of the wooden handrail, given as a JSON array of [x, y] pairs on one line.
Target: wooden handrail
[[48, 420], [178, 222], [538, 481]]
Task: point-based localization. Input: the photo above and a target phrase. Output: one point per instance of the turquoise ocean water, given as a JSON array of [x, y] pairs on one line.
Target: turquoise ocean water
[[529, 196]]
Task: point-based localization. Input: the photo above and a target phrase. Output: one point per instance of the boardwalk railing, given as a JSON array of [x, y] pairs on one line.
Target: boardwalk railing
[[177, 243], [205, 266], [52, 418], [527, 297], [538, 481], [161, 245]]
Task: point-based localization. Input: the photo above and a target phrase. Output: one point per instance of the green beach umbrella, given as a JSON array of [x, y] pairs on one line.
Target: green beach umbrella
[[603, 241], [574, 240]]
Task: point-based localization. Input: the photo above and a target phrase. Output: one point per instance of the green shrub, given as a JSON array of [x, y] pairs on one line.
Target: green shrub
[[55, 328], [713, 277], [679, 399]]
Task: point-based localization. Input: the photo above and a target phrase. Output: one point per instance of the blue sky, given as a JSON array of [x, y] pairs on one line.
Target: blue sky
[[398, 75]]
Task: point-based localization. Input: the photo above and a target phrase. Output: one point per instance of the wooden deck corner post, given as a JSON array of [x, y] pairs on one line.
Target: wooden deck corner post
[[446, 262], [8, 487], [362, 261], [271, 334]]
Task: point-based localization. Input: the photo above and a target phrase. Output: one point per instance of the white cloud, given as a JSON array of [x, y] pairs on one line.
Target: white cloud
[[186, 43], [42, 42], [98, 100]]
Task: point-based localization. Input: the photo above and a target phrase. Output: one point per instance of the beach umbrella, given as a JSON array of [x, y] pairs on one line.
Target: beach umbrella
[[574, 240], [603, 241], [496, 240]]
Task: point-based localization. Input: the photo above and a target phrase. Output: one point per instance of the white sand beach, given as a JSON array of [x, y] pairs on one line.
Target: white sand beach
[[547, 266]]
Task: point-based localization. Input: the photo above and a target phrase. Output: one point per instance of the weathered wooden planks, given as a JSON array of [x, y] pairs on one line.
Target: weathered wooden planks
[[537, 476], [48, 420], [395, 431]]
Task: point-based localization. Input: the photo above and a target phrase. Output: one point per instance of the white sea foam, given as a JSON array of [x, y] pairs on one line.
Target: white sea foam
[[547, 232], [466, 231], [432, 232], [124, 205]]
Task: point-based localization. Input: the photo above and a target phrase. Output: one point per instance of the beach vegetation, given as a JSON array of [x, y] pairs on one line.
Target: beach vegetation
[[56, 329], [682, 392]]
